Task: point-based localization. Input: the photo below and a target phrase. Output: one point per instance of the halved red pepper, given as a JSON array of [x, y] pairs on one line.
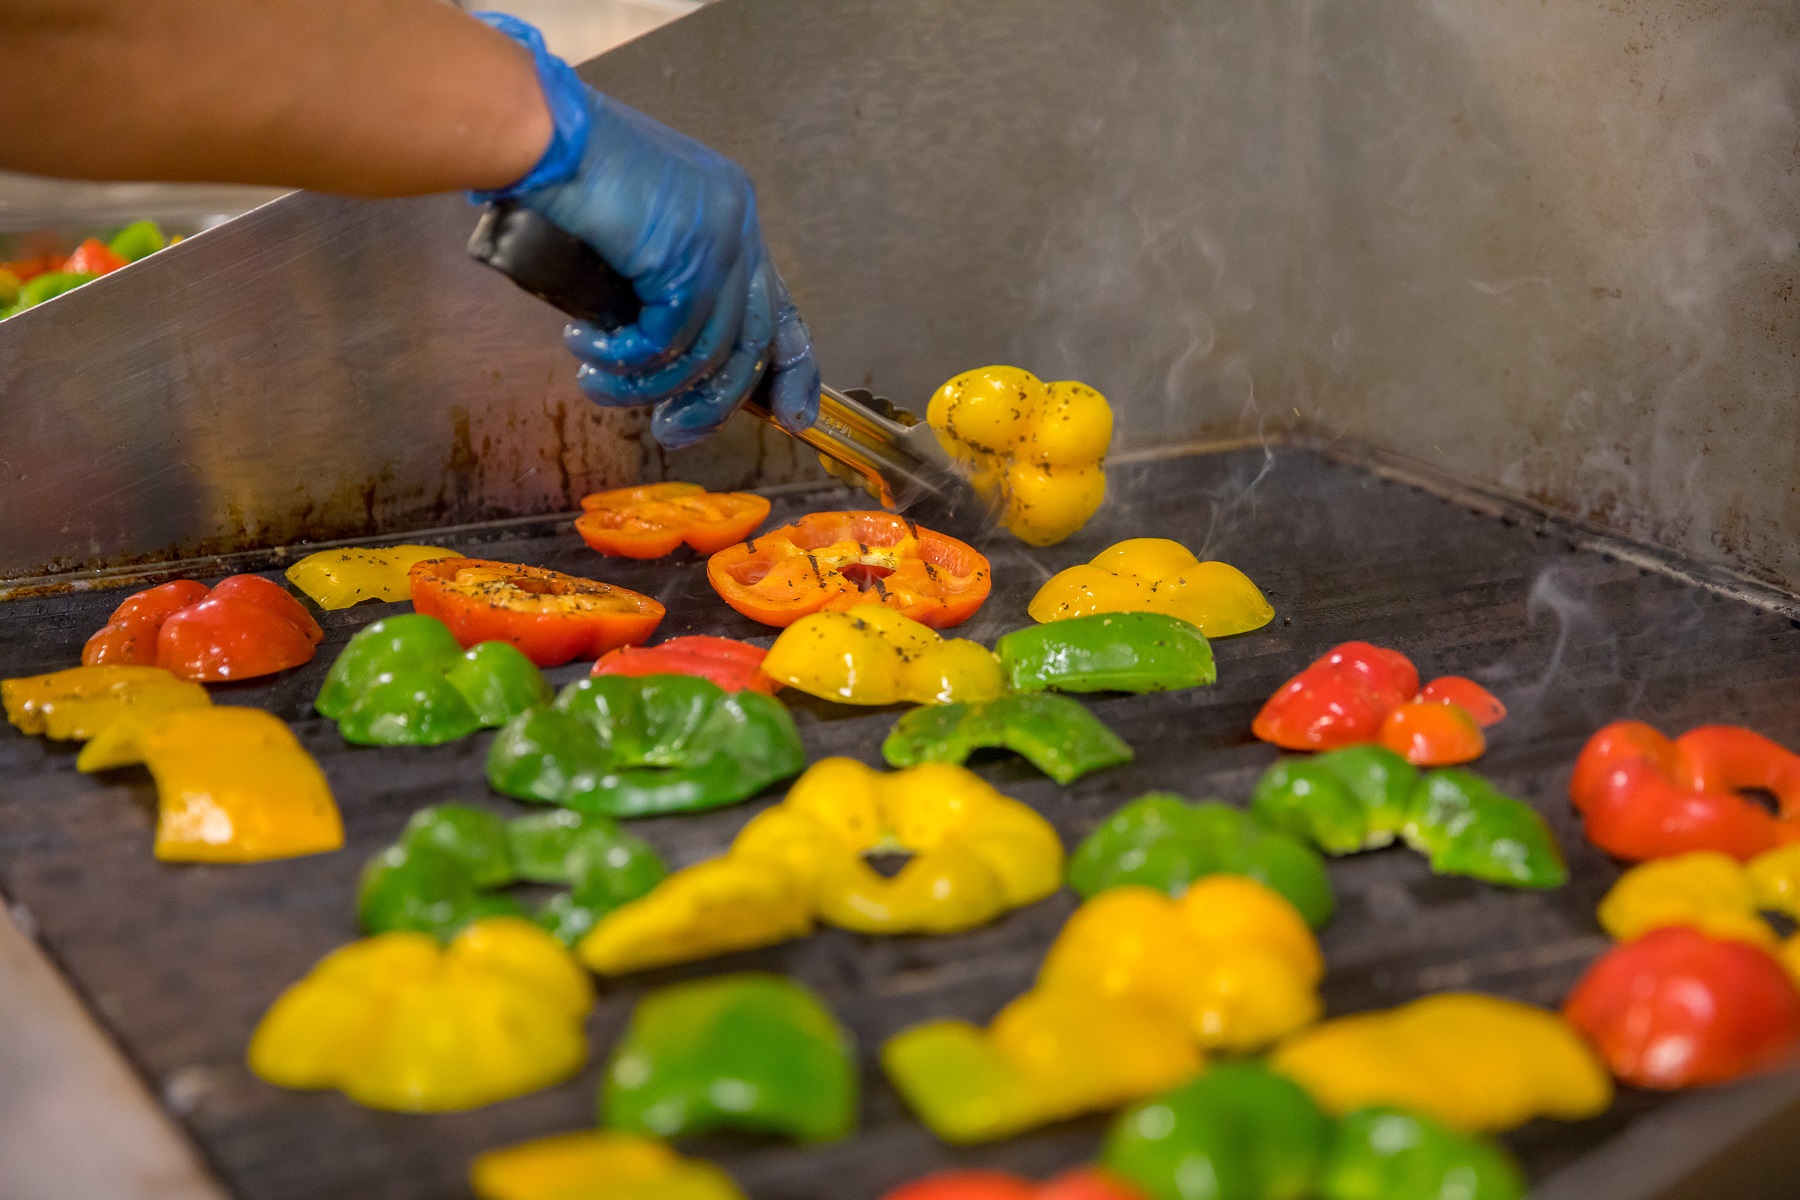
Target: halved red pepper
[[652, 520], [834, 561], [244, 627], [1642, 795], [93, 257], [1678, 1008], [731, 664], [551, 617]]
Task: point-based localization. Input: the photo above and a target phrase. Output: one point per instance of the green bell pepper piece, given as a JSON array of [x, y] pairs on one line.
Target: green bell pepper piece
[[1356, 798], [139, 239], [629, 746], [405, 681], [1393, 1154], [1161, 841], [1116, 652], [1466, 827], [442, 873], [48, 286], [1057, 735], [1237, 1132], [753, 1052]]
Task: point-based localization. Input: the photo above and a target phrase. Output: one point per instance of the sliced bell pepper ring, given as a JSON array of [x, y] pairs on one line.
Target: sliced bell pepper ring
[[1079, 1183], [874, 655], [1676, 1008], [652, 520], [733, 665], [1107, 652], [834, 561], [233, 784], [552, 617], [625, 747], [1038, 448], [752, 1052], [399, 1022], [244, 627], [1057, 735], [1643, 796], [1161, 841], [1156, 575], [337, 579], [83, 702], [598, 1165], [1473, 1062]]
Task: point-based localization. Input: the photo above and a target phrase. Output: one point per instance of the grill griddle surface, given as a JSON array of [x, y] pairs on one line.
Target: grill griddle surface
[[178, 962]]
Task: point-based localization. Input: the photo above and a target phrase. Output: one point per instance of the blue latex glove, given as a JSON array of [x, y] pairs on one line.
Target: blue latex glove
[[678, 220]]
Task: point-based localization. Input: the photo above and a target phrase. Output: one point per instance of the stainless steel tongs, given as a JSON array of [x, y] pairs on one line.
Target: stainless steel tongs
[[861, 438]]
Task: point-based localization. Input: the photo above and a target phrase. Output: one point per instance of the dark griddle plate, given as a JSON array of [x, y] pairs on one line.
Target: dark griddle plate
[[179, 962]]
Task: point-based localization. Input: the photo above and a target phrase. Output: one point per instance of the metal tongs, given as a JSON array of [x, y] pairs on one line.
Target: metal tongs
[[861, 438]]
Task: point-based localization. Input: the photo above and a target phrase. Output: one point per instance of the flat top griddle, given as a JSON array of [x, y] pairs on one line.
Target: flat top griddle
[[178, 962]]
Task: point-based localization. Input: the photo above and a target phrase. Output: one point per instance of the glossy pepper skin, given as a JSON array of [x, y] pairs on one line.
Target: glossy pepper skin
[[976, 854], [243, 627], [551, 617], [1643, 796], [406, 681], [1250, 1133], [733, 665], [633, 747], [1110, 652], [448, 864], [597, 1165], [1057, 735], [835, 561], [232, 784], [399, 1022], [873, 655], [1161, 841], [1676, 1008], [81, 702], [1705, 890], [1038, 448], [335, 579], [1363, 796], [1385, 1153], [752, 1052], [1473, 1062], [1156, 575], [1078, 1183], [651, 520]]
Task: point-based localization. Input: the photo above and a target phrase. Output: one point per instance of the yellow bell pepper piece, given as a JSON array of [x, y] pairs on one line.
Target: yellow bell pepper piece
[[1038, 447], [398, 1022], [597, 1165], [976, 854], [1160, 576], [1775, 878], [339, 578], [79, 703], [1048, 1055], [232, 784], [1474, 1062], [1709, 891], [874, 655], [1232, 960]]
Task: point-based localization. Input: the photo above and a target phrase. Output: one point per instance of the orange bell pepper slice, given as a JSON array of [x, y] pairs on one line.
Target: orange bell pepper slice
[[1466, 694], [834, 561], [1428, 734], [652, 520], [551, 617], [244, 627]]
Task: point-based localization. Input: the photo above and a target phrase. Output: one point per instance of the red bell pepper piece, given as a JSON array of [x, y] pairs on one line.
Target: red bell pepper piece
[[1340, 700], [1676, 1008], [551, 617], [1482, 705], [652, 520], [244, 627], [1643, 796], [93, 257], [733, 665], [27, 269], [1081, 1183]]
